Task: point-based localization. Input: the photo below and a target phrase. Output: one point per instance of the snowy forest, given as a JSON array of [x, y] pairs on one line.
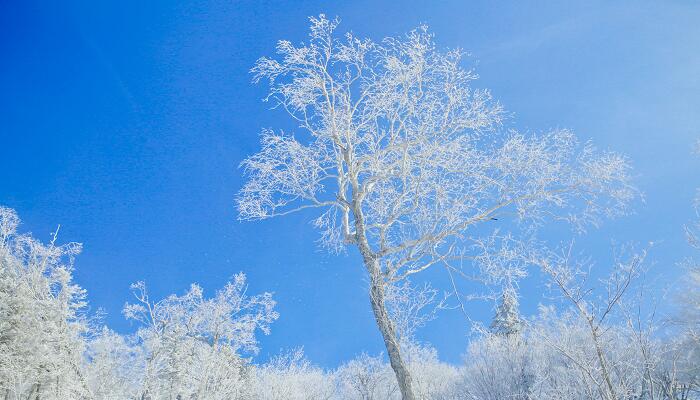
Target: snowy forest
[[399, 159]]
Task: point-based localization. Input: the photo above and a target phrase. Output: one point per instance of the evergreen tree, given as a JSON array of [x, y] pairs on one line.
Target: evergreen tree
[[507, 320]]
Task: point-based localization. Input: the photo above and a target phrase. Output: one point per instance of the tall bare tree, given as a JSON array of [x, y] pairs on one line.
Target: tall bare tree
[[406, 162]]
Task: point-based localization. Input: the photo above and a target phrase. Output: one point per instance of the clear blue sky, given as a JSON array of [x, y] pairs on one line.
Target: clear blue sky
[[125, 123]]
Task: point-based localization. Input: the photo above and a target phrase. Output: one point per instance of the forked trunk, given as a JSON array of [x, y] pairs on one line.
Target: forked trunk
[[386, 327]]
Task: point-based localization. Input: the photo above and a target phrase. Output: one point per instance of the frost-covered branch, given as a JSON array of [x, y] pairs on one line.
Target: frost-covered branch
[[406, 160]]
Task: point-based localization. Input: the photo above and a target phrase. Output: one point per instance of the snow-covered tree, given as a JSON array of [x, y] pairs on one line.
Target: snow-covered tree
[[556, 357], [290, 376], [192, 346], [691, 297], [404, 160], [42, 323], [112, 366], [600, 349], [498, 367], [366, 378], [686, 363], [371, 378], [507, 320], [432, 379], [688, 316]]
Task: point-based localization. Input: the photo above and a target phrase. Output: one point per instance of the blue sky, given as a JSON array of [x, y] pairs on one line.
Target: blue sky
[[125, 123]]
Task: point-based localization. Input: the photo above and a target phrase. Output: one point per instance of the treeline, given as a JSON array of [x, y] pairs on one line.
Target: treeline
[[194, 346]]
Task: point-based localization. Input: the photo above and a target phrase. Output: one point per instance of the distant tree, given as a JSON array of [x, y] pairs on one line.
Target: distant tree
[[507, 320], [366, 378], [405, 162], [290, 376], [191, 345], [498, 367], [113, 366]]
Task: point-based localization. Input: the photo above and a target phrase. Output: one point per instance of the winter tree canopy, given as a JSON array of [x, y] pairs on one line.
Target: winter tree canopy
[[405, 160]]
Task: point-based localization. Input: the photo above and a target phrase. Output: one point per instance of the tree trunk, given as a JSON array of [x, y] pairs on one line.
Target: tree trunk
[[377, 300], [386, 327], [610, 389], [35, 393]]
